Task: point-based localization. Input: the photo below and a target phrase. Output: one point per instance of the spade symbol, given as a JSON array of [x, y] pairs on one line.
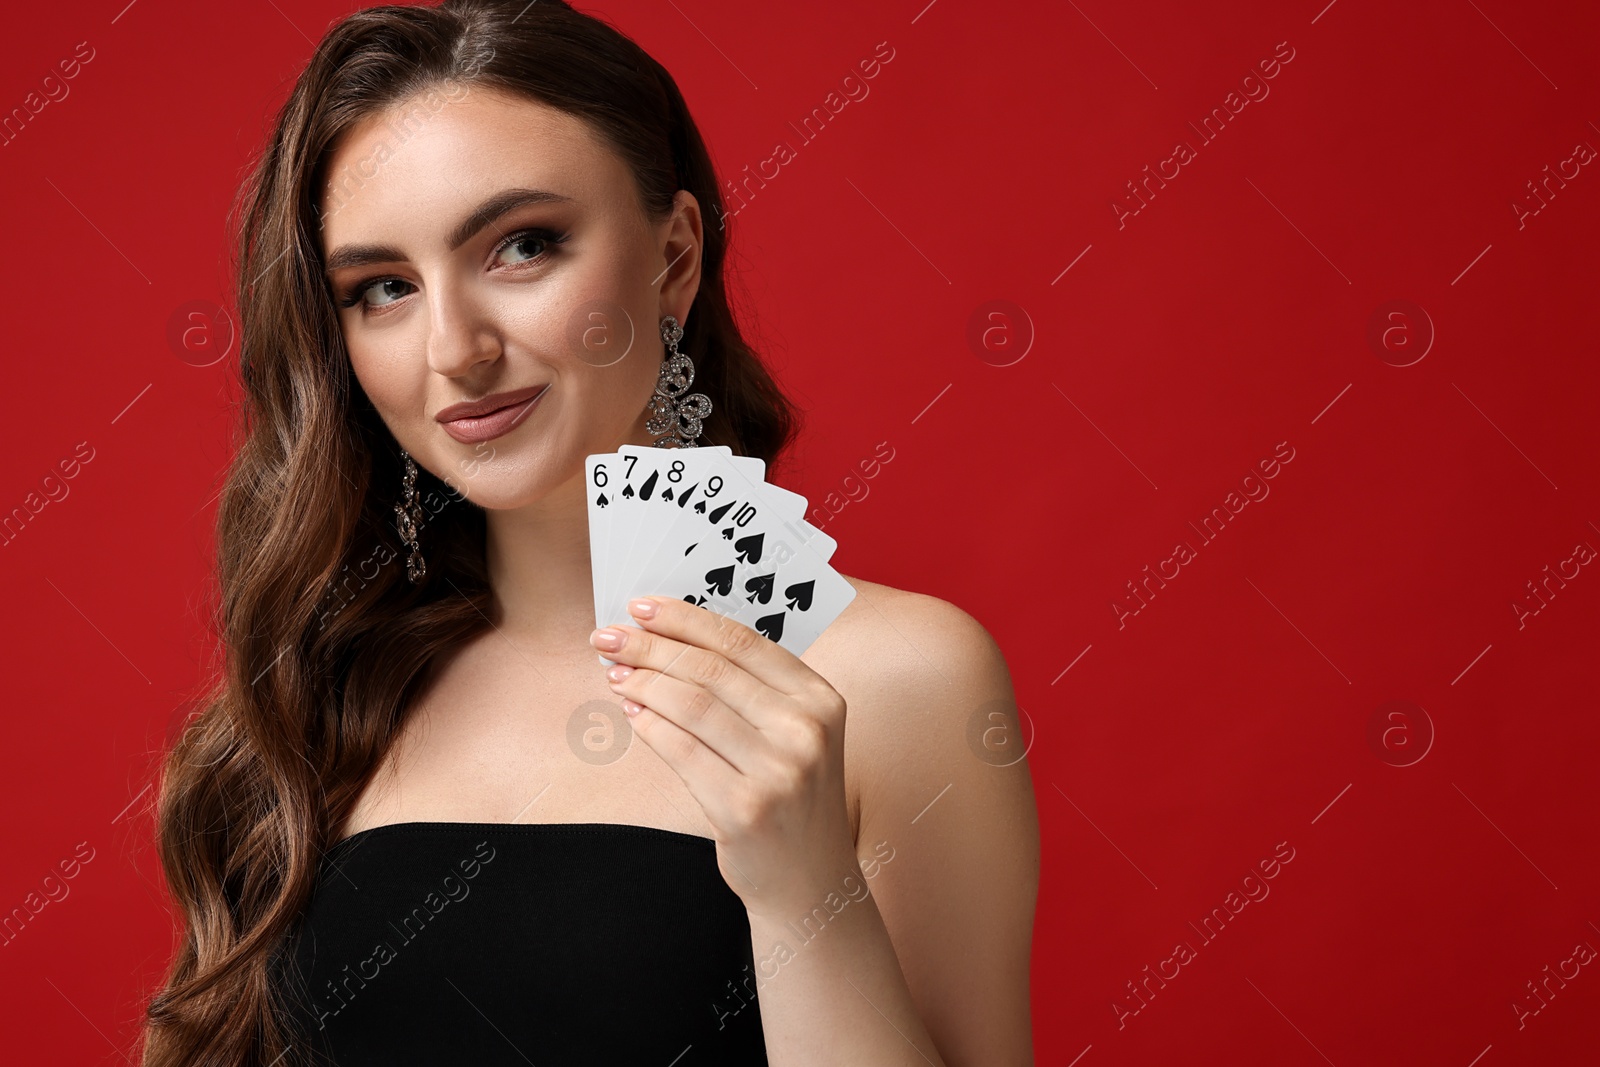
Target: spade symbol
[[602, 502], [720, 580], [759, 588], [649, 487], [749, 548], [771, 626], [700, 507], [627, 491], [800, 593], [667, 493], [697, 601]]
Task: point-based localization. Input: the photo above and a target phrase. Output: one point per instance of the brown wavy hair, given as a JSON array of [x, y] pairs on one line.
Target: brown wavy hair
[[323, 640]]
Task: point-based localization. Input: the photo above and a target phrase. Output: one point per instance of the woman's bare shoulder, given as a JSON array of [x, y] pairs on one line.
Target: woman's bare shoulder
[[910, 668], [886, 635], [914, 670]]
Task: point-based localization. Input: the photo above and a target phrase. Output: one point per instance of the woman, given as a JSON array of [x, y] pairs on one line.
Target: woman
[[386, 844]]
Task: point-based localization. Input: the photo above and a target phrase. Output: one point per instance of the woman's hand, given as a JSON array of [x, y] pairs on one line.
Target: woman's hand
[[756, 735]]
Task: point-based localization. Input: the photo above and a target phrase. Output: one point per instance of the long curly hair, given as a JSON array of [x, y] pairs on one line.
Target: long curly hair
[[323, 640]]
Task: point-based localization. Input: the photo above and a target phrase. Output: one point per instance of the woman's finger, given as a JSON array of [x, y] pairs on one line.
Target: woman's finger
[[710, 779], [705, 668], [689, 707]]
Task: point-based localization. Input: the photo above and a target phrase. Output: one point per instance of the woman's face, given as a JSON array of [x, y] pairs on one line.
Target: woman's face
[[484, 244]]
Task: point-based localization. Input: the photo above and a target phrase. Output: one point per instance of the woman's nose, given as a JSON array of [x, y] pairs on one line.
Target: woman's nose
[[460, 332]]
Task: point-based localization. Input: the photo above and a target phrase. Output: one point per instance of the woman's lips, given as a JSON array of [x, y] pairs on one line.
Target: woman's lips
[[493, 424]]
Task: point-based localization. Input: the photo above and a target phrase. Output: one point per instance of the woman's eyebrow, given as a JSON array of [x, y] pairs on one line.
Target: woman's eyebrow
[[500, 203]]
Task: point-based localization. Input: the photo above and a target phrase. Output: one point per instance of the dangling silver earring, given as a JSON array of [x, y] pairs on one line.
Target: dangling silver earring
[[671, 413], [409, 512]]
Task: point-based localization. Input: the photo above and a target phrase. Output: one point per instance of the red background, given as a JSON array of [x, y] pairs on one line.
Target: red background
[[1173, 748]]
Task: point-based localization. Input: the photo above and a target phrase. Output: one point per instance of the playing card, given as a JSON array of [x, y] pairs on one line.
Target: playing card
[[671, 528], [738, 553], [659, 478], [786, 593], [602, 480], [675, 530], [754, 470], [614, 481], [703, 525], [645, 480]]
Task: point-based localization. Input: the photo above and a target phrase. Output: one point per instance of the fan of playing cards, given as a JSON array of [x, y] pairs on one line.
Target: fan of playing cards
[[703, 525]]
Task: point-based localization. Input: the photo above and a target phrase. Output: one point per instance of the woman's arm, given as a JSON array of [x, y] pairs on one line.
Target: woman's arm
[[922, 956], [904, 939]]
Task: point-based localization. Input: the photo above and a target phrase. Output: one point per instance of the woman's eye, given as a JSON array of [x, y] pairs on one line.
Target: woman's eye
[[381, 285], [532, 244]]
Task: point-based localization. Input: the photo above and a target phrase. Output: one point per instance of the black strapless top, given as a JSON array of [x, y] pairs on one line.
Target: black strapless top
[[552, 944]]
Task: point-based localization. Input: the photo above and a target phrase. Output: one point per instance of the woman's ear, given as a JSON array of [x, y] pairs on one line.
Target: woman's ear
[[682, 238]]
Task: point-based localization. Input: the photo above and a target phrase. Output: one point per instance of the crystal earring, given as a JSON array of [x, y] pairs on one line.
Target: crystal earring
[[409, 514], [676, 416]]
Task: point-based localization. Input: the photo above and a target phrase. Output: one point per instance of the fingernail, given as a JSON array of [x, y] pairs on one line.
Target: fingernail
[[631, 708], [642, 609], [619, 672], [608, 640]]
